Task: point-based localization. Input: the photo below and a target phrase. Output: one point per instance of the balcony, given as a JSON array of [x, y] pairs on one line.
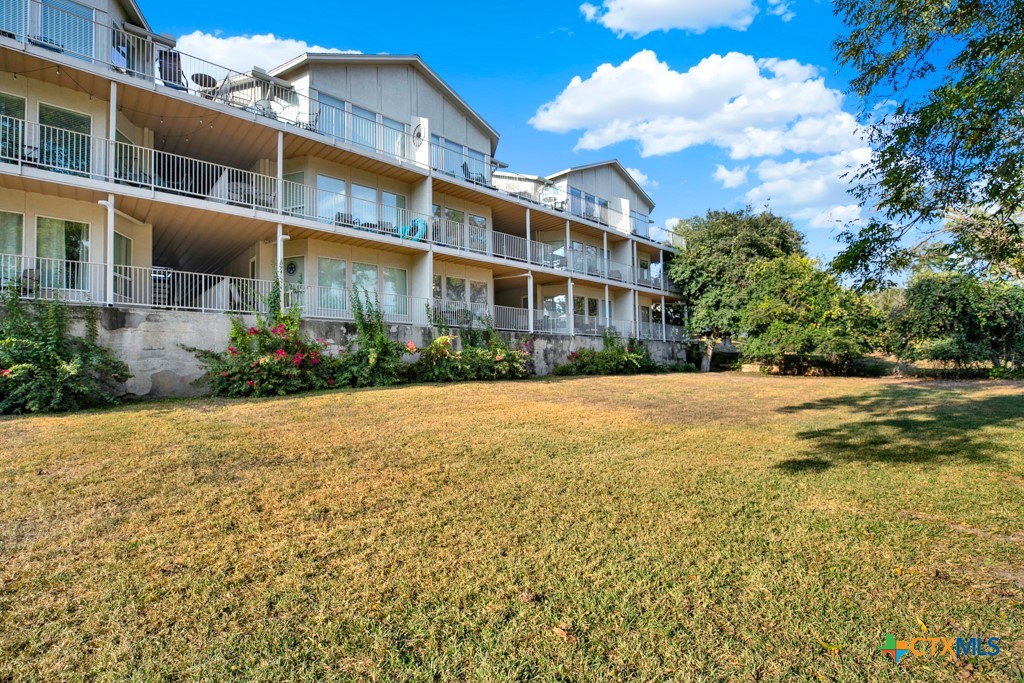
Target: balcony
[[139, 55]]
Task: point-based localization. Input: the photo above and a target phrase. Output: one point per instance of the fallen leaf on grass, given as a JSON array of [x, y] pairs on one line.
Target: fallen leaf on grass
[[565, 635]]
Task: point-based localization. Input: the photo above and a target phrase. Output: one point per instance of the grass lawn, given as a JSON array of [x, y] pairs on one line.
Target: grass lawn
[[683, 527]]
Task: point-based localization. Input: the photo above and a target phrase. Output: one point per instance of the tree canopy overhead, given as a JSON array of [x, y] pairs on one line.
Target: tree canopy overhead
[[942, 90]]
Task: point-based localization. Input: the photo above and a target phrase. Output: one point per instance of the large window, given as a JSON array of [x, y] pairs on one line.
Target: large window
[[477, 233], [364, 277], [392, 211], [66, 26], [122, 267], [331, 278], [330, 200], [394, 137], [64, 246], [331, 117], [364, 204], [11, 233], [364, 127], [12, 125], [455, 289], [638, 223], [64, 138], [478, 297], [396, 288]]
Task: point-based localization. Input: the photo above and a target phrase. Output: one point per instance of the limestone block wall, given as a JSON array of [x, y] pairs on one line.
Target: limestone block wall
[[151, 341]]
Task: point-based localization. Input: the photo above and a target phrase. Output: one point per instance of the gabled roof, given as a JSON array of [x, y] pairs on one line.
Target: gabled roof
[[135, 14], [617, 165], [412, 60]]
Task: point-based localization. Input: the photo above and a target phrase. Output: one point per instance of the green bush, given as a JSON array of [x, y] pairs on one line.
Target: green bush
[[374, 360], [44, 368], [485, 356], [616, 358]]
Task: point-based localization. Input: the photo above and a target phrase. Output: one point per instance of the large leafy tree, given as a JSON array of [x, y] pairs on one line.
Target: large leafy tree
[[795, 310], [942, 90], [713, 268], [959, 320]]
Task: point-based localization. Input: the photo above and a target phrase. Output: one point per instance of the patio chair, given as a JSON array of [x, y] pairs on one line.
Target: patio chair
[[473, 177], [344, 219], [240, 193], [170, 70], [311, 121]]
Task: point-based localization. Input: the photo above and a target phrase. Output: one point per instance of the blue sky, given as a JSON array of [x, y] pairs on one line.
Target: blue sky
[[718, 104]]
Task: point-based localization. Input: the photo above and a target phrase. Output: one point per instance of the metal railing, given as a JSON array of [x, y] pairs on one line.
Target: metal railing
[[511, 318], [166, 288], [51, 278], [149, 58], [334, 303], [546, 321], [541, 191], [474, 168], [462, 236], [341, 210]]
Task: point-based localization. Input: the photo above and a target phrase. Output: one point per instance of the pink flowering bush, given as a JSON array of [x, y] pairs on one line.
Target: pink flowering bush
[[272, 358]]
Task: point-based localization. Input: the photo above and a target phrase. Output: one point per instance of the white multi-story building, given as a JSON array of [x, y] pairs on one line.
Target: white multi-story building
[[133, 174]]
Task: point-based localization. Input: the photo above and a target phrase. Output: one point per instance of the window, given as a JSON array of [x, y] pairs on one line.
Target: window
[[122, 267], [477, 167], [294, 194], [66, 26], [11, 232], [331, 117], [478, 295], [452, 227], [364, 204], [396, 283], [638, 223], [452, 158], [331, 278], [64, 246], [64, 141], [575, 201], [602, 211], [437, 286], [364, 277], [436, 152], [394, 137], [456, 289], [12, 125], [392, 210], [477, 233], [364, 127], [330, 200]]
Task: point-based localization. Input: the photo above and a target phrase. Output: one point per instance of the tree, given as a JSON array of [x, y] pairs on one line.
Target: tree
[[960, 321], [712, 269], [794, 310], [941, 88]]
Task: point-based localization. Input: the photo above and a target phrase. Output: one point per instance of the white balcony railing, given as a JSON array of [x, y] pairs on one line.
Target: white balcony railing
[[460, 236], [460, 163], [49, 278], [146, 57], [511, 318]]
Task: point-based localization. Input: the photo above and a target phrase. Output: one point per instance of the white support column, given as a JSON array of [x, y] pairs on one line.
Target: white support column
[[570, 308], [112, 131], [636, 314], [529, 299], [607, 308], [604, 259], [280, 171], [279, 266], [663, 335], [110, 250], [568, 240]]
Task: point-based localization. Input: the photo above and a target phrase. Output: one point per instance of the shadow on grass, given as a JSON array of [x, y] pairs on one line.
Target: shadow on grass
[[908, 424]]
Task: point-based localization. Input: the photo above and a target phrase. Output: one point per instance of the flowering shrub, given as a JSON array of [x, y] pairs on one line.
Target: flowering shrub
[[272, 358], [44, 368], [493, 359]]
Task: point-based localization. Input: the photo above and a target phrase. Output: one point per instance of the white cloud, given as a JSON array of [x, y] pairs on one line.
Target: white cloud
[[637, 18], [811, 190], [242, 53], [779, 113], [748, 106], [730, 178], [642, 178]]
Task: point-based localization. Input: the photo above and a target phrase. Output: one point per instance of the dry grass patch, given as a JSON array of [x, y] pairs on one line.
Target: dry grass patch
[[678, 527]]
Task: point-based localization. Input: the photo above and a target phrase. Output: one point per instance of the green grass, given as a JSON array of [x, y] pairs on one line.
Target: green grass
[[682, 527]]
